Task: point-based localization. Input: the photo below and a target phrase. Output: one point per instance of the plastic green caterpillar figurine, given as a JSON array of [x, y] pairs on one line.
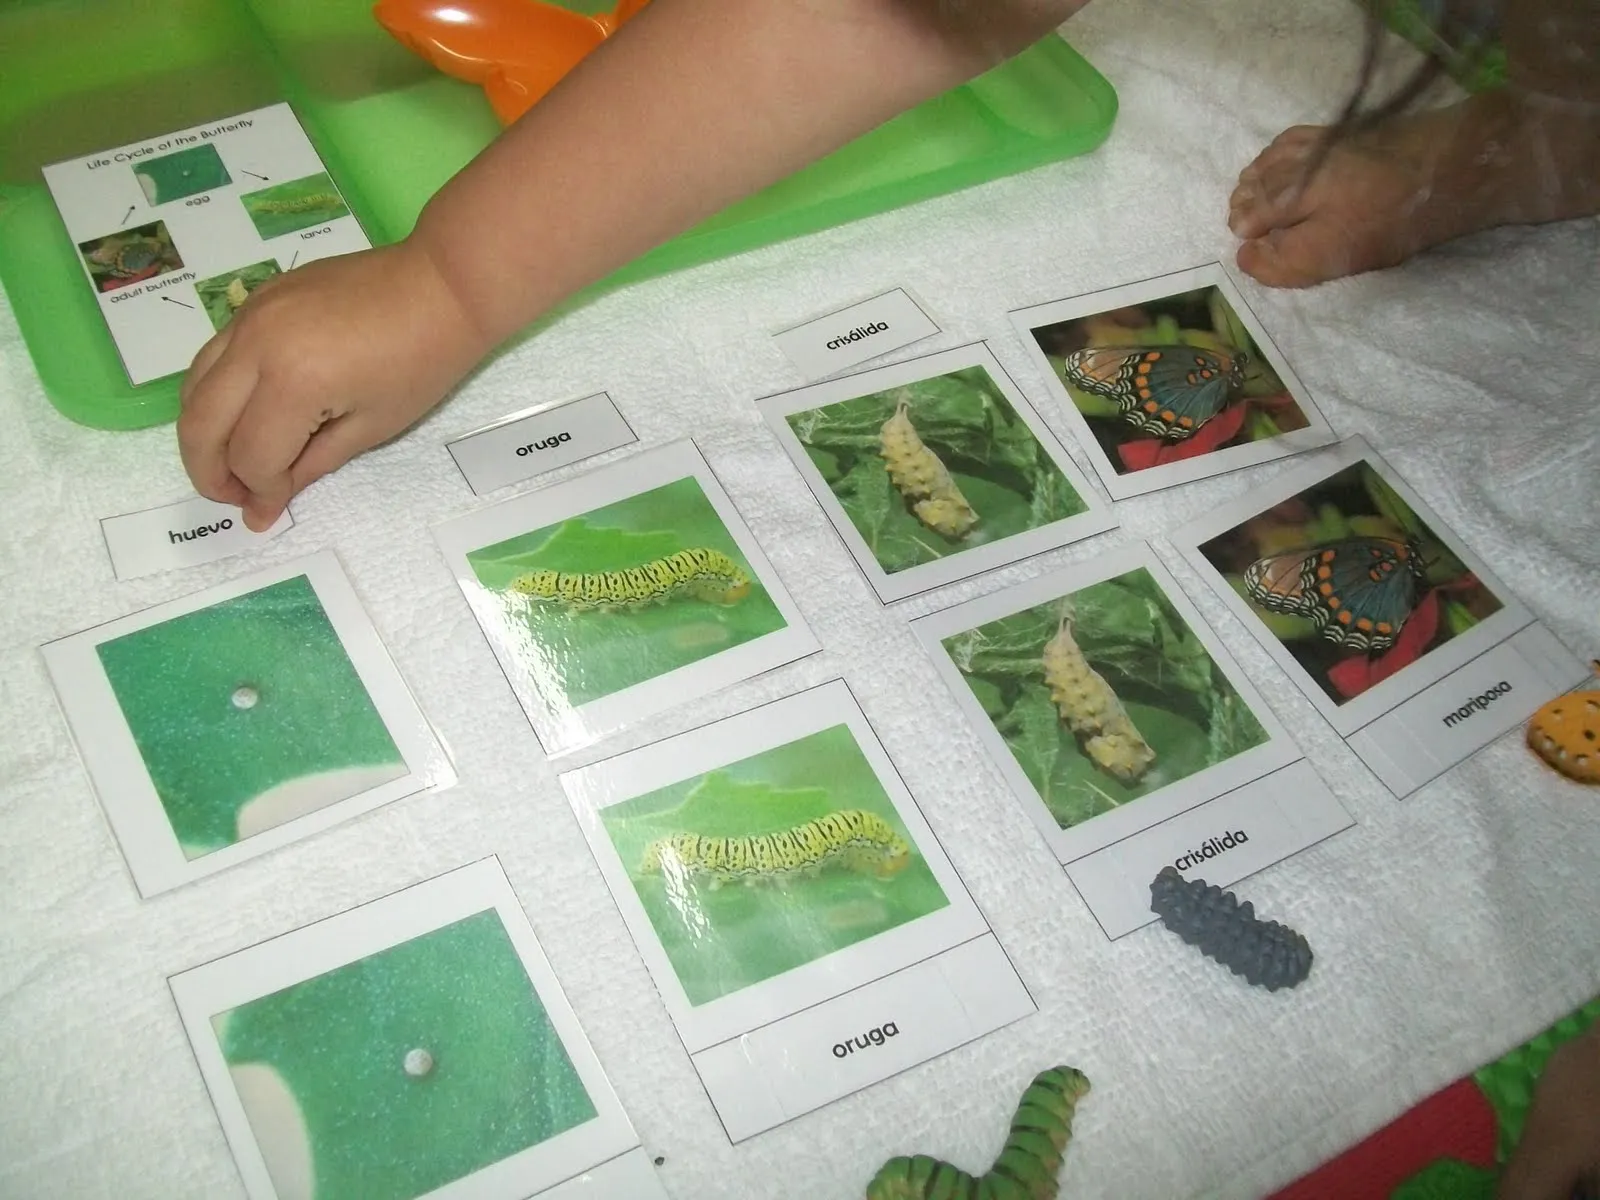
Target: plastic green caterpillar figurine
[[1027, 1166]]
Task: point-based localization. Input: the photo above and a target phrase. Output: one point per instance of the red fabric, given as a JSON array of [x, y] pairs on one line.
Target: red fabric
[[1457, 1122], [1355, 675], [1154, 452]]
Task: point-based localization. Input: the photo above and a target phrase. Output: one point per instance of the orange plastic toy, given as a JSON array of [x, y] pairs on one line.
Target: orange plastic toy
[[1566, 734], [517, 50]]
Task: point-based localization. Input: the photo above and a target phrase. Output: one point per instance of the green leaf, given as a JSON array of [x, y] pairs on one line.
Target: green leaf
[[1458, 618], [1388, 502], [1033, 732]]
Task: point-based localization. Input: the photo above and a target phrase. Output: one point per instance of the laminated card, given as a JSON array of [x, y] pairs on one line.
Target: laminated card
[[416, 1046], [1398, 634], [935, 470], [804, 929], [228, 723], [174, 232], [1128, 732], [621, 593], [1170, 380]]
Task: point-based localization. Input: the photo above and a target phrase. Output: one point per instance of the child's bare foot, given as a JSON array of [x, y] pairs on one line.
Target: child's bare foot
[[1414, 182]]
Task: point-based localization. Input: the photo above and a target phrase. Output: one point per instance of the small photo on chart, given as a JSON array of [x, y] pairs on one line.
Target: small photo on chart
[[621, 593], [1122, 723], [416, 1046], [803, 926], [123, 259], [174, 232], [227, 723], [1391, 626], [934, 470], [1170, 380]]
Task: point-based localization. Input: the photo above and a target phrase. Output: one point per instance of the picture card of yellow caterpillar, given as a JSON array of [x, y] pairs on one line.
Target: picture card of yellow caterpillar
[[176, 231], [1170, 380], [935, 469], [803, 926], [388, 1051], [1414, 651], [1127, 731], [622, 592]]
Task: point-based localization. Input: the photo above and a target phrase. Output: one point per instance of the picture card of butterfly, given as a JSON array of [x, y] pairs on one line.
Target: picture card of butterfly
[[788, 896], [1170, 380], [935, 469], [1399, 635]]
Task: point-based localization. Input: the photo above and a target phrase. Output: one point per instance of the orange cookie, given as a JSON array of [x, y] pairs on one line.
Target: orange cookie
[[1566, 734]]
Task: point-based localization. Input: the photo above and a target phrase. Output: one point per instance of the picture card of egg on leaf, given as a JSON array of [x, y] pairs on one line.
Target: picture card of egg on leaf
[[1414, 651], [804, 928], [1170, 380], [935, 469], [416, 1046], [1127, 731], [227, 723], [622, 592]]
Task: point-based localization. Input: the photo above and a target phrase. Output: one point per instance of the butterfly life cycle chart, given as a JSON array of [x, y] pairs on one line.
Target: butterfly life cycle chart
[[175, 232], [1170, 380], [419, 1045], [1126, 730], [225, 724], [620, 593], [1401, 637], [935, 469], [803, 926]]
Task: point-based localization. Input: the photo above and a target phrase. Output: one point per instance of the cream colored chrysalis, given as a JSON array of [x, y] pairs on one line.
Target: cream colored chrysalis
[[1091, 709], [921, 478], [237, 293]]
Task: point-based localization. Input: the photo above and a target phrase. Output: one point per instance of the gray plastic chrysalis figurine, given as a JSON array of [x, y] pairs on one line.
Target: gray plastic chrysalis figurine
[[1266, 953]]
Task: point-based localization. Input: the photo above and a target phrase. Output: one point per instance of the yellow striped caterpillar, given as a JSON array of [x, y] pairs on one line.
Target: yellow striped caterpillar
[[851, 840], [919, 476], [1027, 1166], [1092, 711], [699, 573], [299, 204]]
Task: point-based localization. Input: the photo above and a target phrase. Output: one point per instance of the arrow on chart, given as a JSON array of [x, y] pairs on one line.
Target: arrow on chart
[[179, 303], [128, 214], [294, 260], [253, 175]]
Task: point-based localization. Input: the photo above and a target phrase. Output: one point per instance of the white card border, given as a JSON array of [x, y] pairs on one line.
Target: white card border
[[963, 564], [562, 730], [1136, 816], [539, 410], [117, 772], [697, 751], [311, 950], [1218, 462], [1378, 701]]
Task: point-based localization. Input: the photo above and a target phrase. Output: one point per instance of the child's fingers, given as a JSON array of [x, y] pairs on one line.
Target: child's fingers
[[335, 444], [265, 443], [212, 402]]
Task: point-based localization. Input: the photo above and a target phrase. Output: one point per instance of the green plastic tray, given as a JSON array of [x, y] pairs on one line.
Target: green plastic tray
[[82, 75]]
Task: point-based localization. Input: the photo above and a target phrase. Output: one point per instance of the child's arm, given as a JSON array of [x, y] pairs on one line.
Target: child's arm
[[694, 104]]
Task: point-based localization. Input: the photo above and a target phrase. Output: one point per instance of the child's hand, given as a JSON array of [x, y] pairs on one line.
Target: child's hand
[[1559, 1154], [321, 364]]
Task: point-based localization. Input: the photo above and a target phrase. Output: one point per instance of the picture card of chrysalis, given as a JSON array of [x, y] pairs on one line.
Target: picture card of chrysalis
[[622, 592], [787, 896], [1170, 380], [1398, 634], [223, 724], [1098, 686], [934, 470], [416, 1046]]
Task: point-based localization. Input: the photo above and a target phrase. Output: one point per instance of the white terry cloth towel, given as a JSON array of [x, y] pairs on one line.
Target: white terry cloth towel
[[1446, 928]]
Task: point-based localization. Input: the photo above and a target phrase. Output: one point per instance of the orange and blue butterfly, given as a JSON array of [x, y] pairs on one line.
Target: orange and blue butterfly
[[1359, 592], [1166, 391]]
